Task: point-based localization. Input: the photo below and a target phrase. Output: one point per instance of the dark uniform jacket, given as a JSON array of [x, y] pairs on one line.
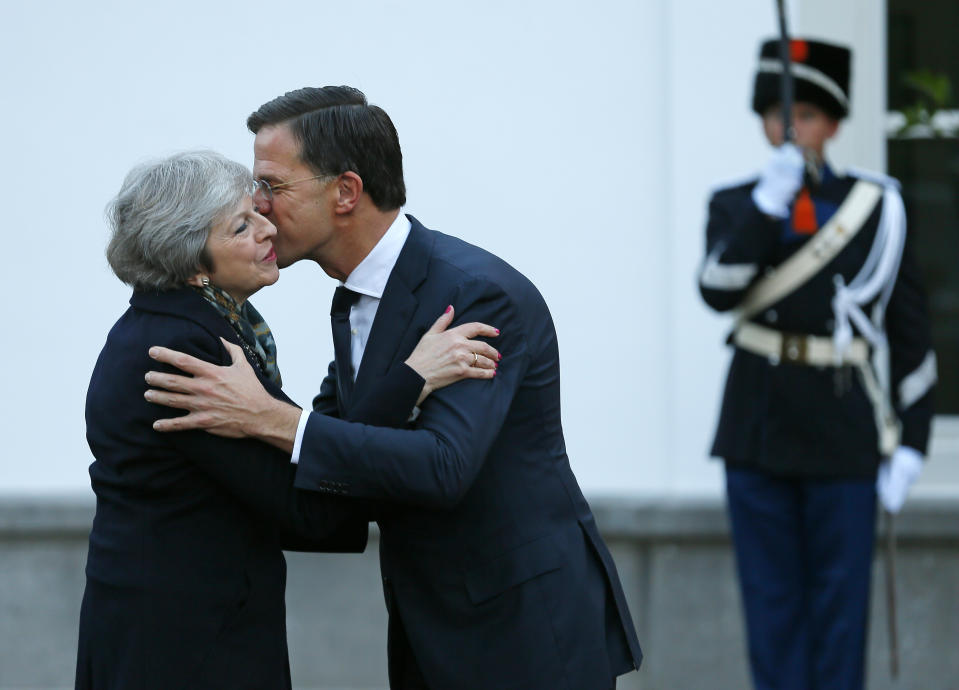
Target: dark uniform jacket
[[794, 419], [185, 573], [494, 571]]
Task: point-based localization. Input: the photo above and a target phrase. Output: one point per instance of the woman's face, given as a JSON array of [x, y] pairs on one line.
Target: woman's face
[[240, 246]]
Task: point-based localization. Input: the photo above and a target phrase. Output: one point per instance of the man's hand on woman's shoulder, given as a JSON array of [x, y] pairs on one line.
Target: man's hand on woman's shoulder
[[223, 400]]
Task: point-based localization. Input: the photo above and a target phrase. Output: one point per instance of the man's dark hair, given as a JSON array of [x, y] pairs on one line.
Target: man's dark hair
[[338, 131]]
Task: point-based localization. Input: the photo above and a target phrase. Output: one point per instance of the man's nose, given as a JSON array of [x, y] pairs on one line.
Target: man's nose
[[261, 204]]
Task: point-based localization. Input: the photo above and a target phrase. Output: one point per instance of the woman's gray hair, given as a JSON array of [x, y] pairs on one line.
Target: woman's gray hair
[[163, 214]]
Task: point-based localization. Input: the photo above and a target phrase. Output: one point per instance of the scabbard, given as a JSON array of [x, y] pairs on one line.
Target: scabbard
[[890, 562]]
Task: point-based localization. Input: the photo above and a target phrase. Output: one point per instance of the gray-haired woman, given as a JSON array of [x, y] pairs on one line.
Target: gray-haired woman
[[185, 572]]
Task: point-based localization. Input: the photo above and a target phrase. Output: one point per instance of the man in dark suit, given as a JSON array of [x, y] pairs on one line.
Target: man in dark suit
[[494, 572]]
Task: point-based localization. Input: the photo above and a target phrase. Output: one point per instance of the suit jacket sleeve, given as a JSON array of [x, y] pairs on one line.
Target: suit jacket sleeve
[[389, 403], [325, 400], [435, 463], [262, 477], [740, 242]]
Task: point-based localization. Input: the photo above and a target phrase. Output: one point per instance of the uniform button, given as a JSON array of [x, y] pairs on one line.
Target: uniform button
[[354, 331], [772, 316]]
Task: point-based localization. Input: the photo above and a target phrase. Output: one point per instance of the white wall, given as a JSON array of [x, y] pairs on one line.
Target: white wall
[[576, 140]]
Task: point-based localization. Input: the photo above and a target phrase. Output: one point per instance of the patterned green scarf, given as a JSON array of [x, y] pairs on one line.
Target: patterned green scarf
[[254, 334]]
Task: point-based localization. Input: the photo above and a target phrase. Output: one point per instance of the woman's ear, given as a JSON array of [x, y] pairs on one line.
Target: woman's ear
[[198, 280]]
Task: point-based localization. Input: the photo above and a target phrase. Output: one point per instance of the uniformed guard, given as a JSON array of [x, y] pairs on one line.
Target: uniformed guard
[[830, 382]]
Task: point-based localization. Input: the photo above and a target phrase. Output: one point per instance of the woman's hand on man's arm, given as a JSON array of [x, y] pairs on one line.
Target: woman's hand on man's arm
[[445, 356]]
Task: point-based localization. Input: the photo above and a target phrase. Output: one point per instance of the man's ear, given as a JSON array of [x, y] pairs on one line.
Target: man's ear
[[349, 189]]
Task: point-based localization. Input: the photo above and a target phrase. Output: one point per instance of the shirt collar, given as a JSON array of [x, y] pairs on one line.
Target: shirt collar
[[370, 276]]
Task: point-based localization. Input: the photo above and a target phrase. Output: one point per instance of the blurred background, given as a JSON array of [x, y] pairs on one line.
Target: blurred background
[[579, 141]]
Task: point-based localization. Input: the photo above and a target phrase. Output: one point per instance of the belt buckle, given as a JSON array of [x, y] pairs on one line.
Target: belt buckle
[[793, 348]]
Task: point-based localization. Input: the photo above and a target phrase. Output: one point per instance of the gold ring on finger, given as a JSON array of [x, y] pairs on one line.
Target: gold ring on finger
[[475, 358]]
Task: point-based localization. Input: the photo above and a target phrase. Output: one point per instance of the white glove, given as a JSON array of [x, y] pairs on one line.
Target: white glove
[[780, 181], [896, 475]]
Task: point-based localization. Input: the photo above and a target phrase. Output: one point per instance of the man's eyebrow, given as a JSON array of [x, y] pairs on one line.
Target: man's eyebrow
[[268, 177]]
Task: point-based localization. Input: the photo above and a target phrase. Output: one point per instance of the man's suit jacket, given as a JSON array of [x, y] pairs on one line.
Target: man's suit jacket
[[493, 568], [185, 573]]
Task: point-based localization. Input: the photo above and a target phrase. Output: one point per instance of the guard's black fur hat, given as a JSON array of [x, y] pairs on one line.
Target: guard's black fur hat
[[820, 76]]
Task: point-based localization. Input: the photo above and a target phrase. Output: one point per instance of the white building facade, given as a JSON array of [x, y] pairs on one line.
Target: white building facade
[[577, 141]]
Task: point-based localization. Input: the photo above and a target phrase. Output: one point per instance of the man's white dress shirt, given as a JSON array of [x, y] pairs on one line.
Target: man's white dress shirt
[[369, 280]]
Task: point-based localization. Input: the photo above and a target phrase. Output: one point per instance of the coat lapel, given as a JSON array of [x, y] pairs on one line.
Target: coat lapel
[[186, 303], [396, 308]]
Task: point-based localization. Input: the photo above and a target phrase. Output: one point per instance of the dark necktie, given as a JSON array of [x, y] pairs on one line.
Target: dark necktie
[[343, 301]]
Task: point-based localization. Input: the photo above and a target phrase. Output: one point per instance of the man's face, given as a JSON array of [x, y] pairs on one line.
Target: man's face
[[812, 125], [302, 212]]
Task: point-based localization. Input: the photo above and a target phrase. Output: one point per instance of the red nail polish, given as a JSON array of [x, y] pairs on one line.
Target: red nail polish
[[448, 309], [499, 357], [497, 331]]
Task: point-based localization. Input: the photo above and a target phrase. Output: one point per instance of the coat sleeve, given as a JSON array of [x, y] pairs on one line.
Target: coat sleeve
[[435, 463], [389, 403], [740, 244], [325, 400], [912, 359], [262, 477]]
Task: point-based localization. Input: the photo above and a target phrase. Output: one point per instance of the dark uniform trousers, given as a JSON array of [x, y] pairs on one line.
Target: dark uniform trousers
[[804, 552]]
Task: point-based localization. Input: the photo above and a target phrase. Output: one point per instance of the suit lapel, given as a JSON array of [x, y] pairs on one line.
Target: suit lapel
[[186, 303], [396, 308]]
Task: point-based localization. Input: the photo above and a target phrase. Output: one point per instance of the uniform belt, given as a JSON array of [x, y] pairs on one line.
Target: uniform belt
[[797, 348]]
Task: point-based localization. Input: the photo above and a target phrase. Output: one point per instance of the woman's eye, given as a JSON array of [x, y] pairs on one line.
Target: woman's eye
[[240, 229]]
